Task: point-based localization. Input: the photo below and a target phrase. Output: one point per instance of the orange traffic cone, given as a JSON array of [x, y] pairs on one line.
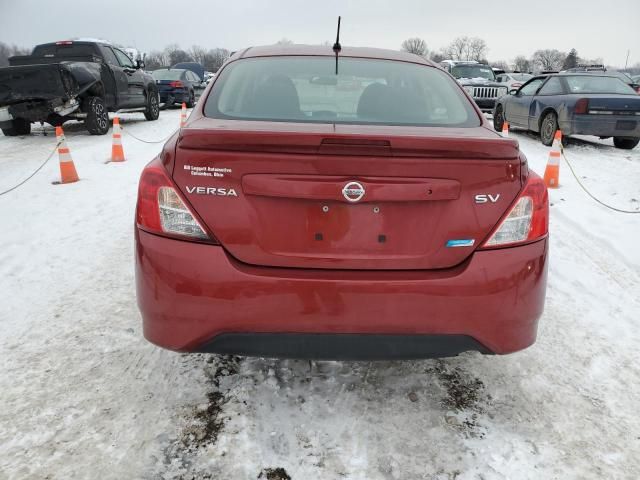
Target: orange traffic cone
[[117, 152], [183, 115], [557, 141], [68, 172], [552, 171], [505, 129]]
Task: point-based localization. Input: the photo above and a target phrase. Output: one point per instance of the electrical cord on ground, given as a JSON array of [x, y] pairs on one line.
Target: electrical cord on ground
[[36, 171], [147, 141], [615, 209]]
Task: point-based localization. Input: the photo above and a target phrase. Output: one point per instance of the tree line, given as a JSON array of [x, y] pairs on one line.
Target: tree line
[[211, 59], [461, 48], [474, 48]]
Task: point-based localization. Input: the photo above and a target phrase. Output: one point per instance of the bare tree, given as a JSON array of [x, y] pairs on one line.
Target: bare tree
[[176, 55], [4, 54], [415, 45], [465, 48], [8, 51], [477, 49], [548, 59], [155, 60], [284, 41], [522, 64], [198, 54], [457, 50], [215, 58]]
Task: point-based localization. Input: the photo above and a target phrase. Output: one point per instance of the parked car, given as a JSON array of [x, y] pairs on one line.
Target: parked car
[[80, 80], [177, 85], [478, 80], [293, 218], [577, 104], [513, 80]]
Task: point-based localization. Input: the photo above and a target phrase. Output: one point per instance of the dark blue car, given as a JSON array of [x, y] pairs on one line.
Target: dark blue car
[[575, 103], [177, 85]]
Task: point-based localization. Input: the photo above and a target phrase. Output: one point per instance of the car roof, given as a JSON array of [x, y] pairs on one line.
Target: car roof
[[585, 74], [327, 51]]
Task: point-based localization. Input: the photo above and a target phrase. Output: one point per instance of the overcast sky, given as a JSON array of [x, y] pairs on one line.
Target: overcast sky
[[596, 28]]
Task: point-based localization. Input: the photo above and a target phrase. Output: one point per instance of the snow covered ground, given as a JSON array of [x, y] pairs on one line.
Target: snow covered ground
[[83, 395]]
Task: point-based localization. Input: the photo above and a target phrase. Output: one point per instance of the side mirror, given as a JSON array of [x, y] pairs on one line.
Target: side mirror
[[140, 64], [513, 91]]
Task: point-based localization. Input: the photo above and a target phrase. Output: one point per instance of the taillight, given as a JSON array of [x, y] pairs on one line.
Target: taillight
[[528, 219], [582, 106], [516, 85], [177, 84], [161, 209]]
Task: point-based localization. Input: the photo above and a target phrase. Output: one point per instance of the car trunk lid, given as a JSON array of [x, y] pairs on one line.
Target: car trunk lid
[[619, 104], [344, 196]]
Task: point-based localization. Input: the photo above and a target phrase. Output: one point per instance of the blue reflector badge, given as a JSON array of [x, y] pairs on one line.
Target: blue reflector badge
[[464, 242]]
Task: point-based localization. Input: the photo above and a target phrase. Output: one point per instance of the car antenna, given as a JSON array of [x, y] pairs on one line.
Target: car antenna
[[336, 46]]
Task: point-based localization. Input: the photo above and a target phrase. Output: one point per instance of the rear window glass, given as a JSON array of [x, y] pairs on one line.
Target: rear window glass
[[597, 84], [167, 74], [472, 71], [69, 50], [521, 77], [365, 91]]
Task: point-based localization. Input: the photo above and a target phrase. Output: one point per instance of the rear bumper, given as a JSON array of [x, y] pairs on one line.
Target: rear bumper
[[485, 104], [602, 125], [172, 96], [38, 110], [194, 297]]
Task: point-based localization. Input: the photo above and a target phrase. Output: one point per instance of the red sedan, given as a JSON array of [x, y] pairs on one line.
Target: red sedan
[[295, 217]]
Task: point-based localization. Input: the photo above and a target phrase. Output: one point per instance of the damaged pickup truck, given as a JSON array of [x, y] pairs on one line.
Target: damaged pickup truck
[[73, 80]]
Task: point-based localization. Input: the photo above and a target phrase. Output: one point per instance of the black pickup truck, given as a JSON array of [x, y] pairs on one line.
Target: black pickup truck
[[73, 80]]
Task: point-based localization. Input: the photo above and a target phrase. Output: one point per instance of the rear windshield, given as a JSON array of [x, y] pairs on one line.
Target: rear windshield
[[167, 74], [472, 71], [521, 77], [365, 91], [65, 50], [598, 84]]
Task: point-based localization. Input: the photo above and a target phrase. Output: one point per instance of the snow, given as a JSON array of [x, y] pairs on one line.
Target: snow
[[85, 396]]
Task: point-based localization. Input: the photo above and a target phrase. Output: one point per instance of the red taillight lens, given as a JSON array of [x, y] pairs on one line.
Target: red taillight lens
[[177, 84], [516, 85], [528, 218], [582, 106], [162, 210]]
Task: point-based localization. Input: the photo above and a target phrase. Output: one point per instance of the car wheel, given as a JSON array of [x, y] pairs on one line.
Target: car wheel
[[548, 128], [498, 119], [97, 121], [15, 127], [152, 111], [625, 143], [192, 100]]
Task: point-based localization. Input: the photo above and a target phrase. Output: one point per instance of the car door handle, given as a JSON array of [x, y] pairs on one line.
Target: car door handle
[[128, 71]]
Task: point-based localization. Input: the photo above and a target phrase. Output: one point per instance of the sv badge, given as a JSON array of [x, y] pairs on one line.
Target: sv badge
[[487, 198]]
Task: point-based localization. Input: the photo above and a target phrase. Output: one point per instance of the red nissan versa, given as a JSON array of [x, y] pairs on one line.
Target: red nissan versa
[[368, 214]]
